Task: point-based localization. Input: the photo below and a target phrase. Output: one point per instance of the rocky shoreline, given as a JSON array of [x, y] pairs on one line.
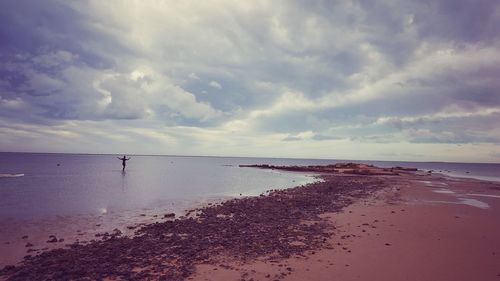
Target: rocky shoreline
[[340, 168], [275, 225]]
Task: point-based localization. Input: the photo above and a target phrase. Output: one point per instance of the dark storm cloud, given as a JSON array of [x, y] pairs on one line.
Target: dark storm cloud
[[461, 21], [39, 27]]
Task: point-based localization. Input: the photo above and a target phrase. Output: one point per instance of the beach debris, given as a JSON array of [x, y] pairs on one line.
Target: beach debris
[[116, 232], [169, 215], [52, 239]]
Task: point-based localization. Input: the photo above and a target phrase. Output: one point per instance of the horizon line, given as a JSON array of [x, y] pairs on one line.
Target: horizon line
[[270, 157]]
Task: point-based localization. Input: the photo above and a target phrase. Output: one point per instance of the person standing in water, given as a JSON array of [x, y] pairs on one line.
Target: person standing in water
[[124, 160]]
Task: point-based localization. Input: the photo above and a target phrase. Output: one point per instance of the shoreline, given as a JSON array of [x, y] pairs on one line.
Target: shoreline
[[411, 230], [283, 224], [263, 219], [20, 237], [17, 234]]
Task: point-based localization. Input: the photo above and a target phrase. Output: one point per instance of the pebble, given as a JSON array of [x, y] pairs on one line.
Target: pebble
[[52, 239]]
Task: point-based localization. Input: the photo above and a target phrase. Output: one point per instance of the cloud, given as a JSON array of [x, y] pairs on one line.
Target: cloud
[[77, 91], [292, 138], [414, 75], [215, 84], [320, 137], [16, 103], [193, 75]]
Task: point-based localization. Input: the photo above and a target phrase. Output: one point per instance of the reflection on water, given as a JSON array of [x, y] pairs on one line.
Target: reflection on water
[[63, 184], [474, 203], [461, 201], [443, 190], [484, 195]]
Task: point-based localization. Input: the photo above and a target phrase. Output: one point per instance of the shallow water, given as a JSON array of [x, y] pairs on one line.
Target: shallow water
[[443, 190], [459, 201], [482, 171], [63, 184], [484, 195]]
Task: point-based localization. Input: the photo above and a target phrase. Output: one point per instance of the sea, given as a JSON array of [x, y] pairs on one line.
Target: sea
[[38, 185]]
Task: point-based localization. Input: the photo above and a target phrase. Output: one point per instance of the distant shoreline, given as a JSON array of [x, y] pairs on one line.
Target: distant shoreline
[[334, 160]]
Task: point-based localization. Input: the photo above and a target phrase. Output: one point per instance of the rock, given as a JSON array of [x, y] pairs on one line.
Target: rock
[[169, 215], [52, 239], [28, 245], [9, 267]]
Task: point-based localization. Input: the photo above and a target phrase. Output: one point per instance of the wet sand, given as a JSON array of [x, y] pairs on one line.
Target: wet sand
[[404, 225], [414, 230], [21, 237]]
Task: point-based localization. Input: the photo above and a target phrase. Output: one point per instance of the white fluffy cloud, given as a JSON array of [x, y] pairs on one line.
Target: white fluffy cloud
[[215, 84]]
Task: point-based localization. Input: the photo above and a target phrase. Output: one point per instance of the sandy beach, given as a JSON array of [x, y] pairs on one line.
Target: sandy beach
[[414, 230], [358, 223]]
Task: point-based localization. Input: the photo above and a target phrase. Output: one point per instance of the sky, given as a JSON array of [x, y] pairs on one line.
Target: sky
[[362, 80]]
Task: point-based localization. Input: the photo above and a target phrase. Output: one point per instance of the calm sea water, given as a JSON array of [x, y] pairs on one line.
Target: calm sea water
[[68, 184], [71, 184]]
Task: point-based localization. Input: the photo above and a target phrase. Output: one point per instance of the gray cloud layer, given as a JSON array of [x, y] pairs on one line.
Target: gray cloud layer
[[341, 79]]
